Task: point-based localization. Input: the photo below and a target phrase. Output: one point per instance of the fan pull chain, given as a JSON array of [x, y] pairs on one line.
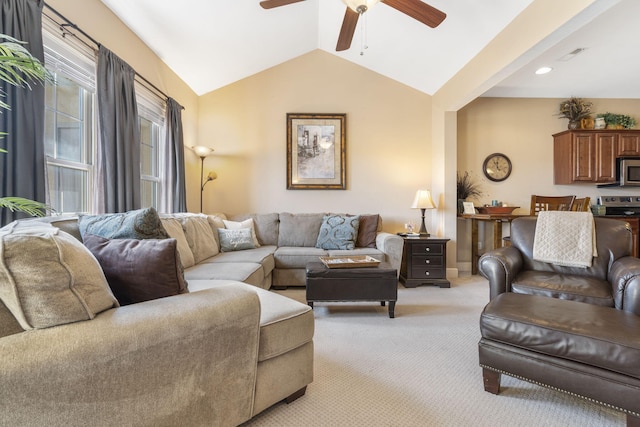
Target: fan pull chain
[[363, 34]]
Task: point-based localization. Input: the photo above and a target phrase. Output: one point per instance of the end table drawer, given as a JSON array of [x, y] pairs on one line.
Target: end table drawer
[[418, 272], [427, 248], [427, 261]]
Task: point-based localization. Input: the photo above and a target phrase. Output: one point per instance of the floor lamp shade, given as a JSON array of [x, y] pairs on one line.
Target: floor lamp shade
[[423, 201]]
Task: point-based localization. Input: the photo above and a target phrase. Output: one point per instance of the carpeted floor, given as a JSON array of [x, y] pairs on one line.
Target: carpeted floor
[[419, 369]]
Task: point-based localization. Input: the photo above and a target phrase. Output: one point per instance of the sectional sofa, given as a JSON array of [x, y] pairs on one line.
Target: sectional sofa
[[218, 351]]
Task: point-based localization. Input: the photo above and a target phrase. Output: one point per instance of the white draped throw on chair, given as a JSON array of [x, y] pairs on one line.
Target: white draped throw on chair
[[565, 238]]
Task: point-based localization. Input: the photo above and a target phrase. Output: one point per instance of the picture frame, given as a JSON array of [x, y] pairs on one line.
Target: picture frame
[[316, 151], [469, 208]]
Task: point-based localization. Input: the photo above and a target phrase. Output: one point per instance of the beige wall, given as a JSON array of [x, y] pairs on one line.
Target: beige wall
[[522, 129], [388, 140]]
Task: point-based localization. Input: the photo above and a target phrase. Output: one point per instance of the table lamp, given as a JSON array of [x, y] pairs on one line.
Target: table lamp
[[423, 201]]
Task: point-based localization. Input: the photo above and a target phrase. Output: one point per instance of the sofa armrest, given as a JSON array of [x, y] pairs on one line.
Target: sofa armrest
[[135, 363], [391, 245], [624, 276], [500, 266]]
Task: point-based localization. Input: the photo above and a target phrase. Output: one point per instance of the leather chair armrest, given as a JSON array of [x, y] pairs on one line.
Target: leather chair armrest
[[500, 266], [624, 276]]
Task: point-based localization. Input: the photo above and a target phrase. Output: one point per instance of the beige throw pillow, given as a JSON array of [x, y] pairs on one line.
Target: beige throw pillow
[[48, 278], [199, 236], [174, 229]]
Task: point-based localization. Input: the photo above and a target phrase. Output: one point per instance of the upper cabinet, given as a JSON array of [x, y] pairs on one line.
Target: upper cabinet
[[590, 155]]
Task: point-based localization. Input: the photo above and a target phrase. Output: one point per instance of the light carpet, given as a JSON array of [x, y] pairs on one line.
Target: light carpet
[[419, 369]]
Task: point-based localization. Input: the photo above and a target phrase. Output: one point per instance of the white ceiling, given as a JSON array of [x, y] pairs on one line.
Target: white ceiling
[[212, 43]]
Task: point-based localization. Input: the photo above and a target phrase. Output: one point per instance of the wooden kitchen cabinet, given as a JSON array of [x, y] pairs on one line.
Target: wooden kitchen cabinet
[[590, 155]]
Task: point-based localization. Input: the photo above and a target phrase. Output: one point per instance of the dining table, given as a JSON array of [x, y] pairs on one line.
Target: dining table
[[497, 220]]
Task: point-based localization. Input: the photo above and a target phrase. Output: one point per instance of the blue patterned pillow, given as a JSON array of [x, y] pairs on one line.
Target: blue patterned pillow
[[338, 232], [137, 224]]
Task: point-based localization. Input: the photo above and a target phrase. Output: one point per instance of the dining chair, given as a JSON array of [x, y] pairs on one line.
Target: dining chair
[[581, 205], [547, 203], [550, 203]]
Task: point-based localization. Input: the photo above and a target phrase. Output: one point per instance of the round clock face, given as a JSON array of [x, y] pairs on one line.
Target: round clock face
[[497, 167]]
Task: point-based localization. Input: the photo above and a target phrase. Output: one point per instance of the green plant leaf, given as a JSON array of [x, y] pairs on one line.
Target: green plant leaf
[[30, 207]]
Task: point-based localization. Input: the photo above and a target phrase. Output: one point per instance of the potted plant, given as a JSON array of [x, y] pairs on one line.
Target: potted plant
[[18, 68], [617, 121], [575, 109], [465, 188]]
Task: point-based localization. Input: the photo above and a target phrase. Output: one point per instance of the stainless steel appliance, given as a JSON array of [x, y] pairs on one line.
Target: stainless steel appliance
[[627, 173], [628, 205]]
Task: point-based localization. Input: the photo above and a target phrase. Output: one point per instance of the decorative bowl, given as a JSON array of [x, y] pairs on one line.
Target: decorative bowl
[[496, 210]]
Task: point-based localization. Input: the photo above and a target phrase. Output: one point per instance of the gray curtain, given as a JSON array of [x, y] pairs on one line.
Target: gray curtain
[[174, 155], [119, 153], [23, 166]]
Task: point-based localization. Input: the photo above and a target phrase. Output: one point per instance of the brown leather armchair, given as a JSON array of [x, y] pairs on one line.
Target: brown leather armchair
[[613, 280], [571, 329]]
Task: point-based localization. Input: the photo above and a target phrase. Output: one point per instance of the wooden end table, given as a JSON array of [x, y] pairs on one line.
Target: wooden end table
[[424, 262]]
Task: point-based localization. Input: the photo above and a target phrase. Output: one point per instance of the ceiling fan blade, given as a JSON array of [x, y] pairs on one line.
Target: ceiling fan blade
[[269, 4], [418, 10], [348, 28]]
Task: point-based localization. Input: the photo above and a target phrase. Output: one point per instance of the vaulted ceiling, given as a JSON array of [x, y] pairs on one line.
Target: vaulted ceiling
[[213, 43]]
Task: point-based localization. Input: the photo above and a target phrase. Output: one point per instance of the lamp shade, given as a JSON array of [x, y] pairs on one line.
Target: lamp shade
[[202, 151], [423, 200], [354, 4]]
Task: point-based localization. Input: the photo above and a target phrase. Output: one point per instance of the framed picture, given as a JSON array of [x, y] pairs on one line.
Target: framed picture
[[316, 151], [468, 208]]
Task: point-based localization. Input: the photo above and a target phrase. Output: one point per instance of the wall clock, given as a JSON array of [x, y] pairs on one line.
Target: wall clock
[[497, 167]]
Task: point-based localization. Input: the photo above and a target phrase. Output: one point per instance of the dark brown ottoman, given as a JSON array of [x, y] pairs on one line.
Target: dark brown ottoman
[[352, 284]]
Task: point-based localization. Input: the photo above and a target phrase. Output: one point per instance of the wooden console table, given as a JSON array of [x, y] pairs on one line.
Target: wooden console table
[[497, 220]]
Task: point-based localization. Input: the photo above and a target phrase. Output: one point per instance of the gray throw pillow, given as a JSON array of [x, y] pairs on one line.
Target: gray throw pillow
[[338, 232], [136, 224], [139, 270], [235, 239]]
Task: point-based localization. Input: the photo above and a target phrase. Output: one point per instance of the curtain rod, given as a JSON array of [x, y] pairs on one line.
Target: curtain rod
[[94, 41]]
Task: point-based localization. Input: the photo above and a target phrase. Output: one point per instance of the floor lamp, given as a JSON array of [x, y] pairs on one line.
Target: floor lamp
[[203, 152], [423, 201]]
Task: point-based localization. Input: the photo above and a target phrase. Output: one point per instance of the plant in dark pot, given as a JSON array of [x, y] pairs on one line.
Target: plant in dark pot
[[466, 187], [575, 109]]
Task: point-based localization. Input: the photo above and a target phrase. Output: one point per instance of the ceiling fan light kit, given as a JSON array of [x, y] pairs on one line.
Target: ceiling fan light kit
[[360, 6]]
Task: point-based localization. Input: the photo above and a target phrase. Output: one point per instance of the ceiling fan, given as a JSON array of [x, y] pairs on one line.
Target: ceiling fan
[[416, 9]]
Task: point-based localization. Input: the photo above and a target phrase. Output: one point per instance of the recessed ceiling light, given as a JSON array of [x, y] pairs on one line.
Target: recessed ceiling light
[[543, 70]]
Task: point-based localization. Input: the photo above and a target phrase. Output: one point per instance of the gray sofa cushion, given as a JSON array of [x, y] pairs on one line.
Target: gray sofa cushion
[[248, 272], [262, 255], [265, 225], [299, 229], [297, 257]]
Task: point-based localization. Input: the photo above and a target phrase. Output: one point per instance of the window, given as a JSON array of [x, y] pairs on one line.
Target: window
[[68, 144], [151, 111], [69, 122], [71, 127]]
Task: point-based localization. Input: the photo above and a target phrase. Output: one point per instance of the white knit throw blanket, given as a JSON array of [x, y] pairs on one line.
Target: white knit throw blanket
[[565, 238]]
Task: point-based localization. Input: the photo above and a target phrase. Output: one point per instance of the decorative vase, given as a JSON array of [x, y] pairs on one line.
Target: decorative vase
[[574, 124], [460, 206], [599, 123]]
